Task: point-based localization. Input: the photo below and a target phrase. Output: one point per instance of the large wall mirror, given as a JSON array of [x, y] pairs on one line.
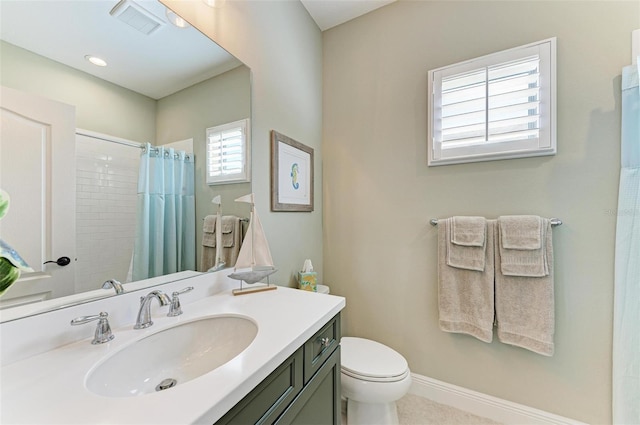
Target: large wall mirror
[[163, 84]]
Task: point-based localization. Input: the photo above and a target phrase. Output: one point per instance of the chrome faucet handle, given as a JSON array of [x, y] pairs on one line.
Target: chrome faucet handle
[[103, 330], [112, 283], [176, 308]]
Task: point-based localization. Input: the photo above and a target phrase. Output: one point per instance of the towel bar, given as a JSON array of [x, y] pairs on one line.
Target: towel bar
[[244, 220], [554, 221]]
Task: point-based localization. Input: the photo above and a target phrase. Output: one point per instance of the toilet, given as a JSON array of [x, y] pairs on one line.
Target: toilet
[[322, 289], [374, 377]]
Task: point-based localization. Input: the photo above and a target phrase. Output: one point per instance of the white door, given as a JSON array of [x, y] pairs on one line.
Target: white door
[[37, 170]]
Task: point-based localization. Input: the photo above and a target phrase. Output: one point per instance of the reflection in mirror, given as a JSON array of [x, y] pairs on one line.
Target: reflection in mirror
[[165, 87]]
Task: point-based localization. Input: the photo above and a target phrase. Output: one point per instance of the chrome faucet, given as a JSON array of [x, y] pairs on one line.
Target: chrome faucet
[[144, 314], [112, 283]]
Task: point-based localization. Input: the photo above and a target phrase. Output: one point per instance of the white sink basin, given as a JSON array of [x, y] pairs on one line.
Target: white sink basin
[[172, 356]]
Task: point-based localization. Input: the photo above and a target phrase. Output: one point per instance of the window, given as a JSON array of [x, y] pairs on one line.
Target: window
[[494, 107], [228, 153]]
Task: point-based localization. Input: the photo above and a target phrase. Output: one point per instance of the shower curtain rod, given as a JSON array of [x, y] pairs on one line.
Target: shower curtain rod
[[119, 141], [554, 221]]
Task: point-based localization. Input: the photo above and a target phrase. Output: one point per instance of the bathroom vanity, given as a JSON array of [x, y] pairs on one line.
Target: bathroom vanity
[[304, 389], [289, 373]]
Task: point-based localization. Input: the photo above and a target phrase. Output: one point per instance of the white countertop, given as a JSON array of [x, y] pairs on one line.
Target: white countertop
[[50, 388]]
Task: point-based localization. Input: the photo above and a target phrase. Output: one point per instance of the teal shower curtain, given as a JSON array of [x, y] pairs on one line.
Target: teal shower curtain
[[626, 325], [165, 228]]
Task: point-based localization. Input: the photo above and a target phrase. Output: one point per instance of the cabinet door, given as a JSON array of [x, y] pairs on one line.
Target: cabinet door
[[270, 398], [319, 401]]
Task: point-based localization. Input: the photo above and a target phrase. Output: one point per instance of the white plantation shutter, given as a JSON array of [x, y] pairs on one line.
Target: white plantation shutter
[[227, 153], [494, 107]]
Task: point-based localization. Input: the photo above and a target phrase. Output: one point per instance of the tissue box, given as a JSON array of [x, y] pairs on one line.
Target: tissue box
[[307, 281]]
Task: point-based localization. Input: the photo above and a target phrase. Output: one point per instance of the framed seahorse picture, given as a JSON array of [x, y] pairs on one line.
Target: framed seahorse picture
[[291, 174]]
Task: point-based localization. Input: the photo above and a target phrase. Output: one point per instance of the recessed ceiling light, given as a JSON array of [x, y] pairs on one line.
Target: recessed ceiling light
[[176, 20], [96, 60]]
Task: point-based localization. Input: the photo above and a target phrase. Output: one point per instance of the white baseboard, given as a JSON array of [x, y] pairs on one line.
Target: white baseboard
[[487, 406]]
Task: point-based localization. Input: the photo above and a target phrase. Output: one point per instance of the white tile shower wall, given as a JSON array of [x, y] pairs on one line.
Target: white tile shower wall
[[106, 186]]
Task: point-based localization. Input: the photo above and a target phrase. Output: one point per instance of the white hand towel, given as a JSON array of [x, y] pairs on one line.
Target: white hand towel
[[209, 225], [465, 297], [521, 231], [208, 255], [525, 305], [231, 239], [520, 244], [466, 245], [468, 231]]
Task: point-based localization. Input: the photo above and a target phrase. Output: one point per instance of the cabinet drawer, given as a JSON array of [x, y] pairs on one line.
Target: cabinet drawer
[[319, 347], [271, 397]]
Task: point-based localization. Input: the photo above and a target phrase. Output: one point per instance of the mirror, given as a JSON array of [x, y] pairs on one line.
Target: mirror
[[164, 87]]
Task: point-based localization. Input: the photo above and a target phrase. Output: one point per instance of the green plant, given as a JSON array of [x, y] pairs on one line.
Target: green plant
[[11, 263]]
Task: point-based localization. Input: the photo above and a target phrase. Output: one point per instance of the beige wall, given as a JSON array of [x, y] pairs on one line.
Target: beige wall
[[100, 106], [187, 114], [282, 45], [379, 194]]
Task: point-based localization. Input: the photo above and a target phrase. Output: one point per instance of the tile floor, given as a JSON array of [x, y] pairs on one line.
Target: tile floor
[[415, 410]]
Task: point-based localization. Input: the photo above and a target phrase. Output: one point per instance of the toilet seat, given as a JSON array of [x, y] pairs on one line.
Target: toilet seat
[[371, 361]]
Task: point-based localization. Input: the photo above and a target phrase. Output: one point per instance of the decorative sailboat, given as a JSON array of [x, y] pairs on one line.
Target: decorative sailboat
[[254, 261]]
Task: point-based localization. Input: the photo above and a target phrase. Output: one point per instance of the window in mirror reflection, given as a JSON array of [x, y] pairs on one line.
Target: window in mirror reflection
[[228, 153]]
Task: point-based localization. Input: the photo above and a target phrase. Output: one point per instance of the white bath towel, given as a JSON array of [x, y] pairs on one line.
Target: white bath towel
[[466, 297], [521, 246], [466, 247], [525, 305]]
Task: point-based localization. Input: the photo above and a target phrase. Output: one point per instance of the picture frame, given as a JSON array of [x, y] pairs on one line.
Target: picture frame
[[291, 174]]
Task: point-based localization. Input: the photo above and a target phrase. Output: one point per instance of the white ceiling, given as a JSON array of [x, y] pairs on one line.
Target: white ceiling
[[155, 65], [329, 13]]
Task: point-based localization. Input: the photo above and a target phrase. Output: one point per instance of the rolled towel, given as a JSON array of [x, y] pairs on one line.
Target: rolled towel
[[520, 244], [525, 305], [466, 244], [465, 297]]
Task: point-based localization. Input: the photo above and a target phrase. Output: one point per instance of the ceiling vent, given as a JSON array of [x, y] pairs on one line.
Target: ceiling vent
[[136, 16]]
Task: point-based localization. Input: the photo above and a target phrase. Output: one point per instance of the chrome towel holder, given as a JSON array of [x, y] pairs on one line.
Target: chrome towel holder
[[554, 222]]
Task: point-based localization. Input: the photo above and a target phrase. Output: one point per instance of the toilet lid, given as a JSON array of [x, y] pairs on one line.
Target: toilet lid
[[370, 359]]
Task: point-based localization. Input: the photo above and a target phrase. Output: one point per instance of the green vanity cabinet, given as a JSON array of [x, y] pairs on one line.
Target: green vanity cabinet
[[303, 390], [319, 402]]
